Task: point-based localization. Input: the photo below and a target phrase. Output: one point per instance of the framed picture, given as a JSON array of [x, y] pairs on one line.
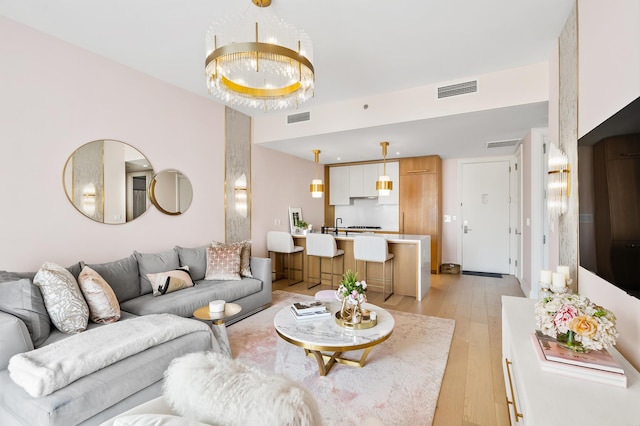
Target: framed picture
[[295, 216]]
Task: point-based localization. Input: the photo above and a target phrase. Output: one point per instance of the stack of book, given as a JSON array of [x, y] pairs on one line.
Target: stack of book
[[597, 366], [307, 311]]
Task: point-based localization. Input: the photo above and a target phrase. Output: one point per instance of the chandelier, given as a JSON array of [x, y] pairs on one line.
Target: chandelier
[[259, 61]]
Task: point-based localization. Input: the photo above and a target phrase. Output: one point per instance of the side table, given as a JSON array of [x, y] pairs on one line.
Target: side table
[[217, 323]]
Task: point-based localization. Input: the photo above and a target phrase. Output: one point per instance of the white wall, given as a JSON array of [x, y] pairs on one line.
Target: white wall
[[451, 208], [609, 70], [85, 97]]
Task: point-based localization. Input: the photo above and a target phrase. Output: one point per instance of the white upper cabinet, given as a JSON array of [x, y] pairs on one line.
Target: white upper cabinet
[[362, 180], [339, 185], [393, 171]]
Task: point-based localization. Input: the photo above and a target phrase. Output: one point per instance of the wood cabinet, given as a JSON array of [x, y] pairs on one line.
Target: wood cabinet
[[421, 201]]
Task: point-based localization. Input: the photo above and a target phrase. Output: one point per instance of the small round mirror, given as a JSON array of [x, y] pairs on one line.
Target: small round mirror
[[171, 192], [107, 181]]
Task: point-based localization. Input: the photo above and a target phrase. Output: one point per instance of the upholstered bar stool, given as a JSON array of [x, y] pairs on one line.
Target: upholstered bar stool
[[323, 246], [371, 248], [279, 242]]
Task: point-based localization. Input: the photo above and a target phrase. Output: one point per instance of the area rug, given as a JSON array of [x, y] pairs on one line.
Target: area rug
[[399, 384]]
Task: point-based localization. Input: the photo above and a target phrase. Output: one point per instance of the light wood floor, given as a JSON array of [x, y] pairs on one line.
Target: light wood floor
[[472, 390]]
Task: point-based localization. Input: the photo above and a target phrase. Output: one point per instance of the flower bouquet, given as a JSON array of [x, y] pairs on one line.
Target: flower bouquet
[[576, 322], [352, 294]]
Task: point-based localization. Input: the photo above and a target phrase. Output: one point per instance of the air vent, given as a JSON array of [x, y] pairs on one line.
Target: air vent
[[297, 118], [502, 144], [458, 89]]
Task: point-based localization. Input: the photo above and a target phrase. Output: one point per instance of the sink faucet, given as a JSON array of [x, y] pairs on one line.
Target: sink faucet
[[336, 228]]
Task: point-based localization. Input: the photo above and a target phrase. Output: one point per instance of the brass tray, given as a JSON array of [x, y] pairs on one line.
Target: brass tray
[[362, 326]]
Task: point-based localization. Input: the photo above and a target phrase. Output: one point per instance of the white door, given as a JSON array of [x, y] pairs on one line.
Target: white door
[[485, 217]]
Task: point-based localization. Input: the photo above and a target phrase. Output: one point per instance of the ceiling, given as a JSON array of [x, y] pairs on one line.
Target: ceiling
[[358, 45]]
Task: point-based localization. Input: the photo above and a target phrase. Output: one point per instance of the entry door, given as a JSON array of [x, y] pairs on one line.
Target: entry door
[[485, 217]]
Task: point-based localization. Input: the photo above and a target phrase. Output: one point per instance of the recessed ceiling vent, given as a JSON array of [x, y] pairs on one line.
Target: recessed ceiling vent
[[503, 144], [458, 89], [297, 118]]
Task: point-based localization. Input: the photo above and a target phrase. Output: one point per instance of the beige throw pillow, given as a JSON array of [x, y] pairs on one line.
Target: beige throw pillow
[[223, 263], [103, 303], [167, 282], [245, 255], [62, 297]]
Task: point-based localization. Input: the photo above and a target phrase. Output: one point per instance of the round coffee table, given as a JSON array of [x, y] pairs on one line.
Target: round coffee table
[[217, 323], [317, 336]]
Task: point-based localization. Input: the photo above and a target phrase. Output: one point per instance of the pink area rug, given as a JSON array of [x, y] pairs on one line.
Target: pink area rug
[[399, 383]]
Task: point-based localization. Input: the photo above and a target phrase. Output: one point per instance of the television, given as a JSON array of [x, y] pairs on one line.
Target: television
[[609, 199]]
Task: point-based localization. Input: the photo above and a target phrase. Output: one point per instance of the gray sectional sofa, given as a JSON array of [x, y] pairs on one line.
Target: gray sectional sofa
[[133, 380]]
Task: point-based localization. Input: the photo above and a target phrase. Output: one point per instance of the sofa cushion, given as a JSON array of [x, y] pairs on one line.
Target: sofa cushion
[[223, 263], [62, 297], [245, 255], [195, 258], [122, 276], [170, 281], [184, 302], [23, 299], [155, 420], [152, 263], [102, 301]]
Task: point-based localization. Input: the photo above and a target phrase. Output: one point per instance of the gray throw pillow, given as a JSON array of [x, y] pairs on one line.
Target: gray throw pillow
[[122, 276], [196, 259], [23, 299], [152, 263]]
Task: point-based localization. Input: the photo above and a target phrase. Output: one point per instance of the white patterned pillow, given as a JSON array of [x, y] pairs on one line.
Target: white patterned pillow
[[62, 298], [103, 303], [245, 255], [166, 282], [223, 263]]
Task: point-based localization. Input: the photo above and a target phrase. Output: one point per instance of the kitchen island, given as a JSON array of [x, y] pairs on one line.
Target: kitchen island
[[412, 264]]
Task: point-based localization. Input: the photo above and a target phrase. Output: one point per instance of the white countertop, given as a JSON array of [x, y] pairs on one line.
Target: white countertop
[[392, 238]]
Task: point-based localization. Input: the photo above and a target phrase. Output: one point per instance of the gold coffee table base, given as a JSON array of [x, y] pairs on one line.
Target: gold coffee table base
[[325, 362]]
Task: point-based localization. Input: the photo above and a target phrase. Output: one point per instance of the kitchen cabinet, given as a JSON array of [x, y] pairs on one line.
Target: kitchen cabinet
[[339, 185], [420, 199], [362, 180], [393, 171]]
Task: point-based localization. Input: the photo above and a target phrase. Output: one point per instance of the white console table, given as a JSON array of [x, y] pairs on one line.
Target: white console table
[[537, 397]]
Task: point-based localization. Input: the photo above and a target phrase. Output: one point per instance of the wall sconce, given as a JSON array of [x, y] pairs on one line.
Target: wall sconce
[[316, 187], [240, 193], [384, 185], [89, 199], [558, 182]]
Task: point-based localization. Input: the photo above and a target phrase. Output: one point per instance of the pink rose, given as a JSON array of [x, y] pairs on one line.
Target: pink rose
[[563, 316]]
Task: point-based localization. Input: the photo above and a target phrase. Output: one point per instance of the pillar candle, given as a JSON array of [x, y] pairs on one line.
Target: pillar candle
[[545, 277], [563, 270], [558, 280]]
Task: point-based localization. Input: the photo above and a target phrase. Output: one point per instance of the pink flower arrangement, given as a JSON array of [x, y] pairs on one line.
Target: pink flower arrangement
[[563, 314]]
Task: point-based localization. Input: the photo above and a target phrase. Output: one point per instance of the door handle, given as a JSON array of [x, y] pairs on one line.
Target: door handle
[[467, 229]]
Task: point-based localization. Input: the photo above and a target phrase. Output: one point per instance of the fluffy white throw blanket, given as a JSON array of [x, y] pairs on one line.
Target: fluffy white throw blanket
[[52, 367]]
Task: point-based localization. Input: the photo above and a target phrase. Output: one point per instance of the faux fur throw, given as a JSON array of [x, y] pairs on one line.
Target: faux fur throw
[[52, 367]]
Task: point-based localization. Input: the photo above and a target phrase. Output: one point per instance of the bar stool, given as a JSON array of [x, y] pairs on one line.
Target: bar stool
[[323, 246], [371, 248], [279, 242]]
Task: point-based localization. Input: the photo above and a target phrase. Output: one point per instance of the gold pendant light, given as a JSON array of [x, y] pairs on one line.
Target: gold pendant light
[[384, 185], [316, 187], [259, 61]]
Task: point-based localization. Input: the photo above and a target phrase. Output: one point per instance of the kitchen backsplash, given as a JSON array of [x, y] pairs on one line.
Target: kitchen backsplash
[[367, 212]]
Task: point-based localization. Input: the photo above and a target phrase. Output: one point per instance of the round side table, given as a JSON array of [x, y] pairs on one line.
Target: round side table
[[218, 325]]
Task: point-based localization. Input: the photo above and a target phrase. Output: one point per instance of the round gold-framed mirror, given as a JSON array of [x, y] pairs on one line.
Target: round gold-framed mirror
[[107, 181], [171, 192]]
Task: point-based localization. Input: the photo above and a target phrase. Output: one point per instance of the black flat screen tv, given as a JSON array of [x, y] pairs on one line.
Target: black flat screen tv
[[609, 199]]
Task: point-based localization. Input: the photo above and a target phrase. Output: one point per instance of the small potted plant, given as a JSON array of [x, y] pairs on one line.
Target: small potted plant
[[302, 226], [352, 294]]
